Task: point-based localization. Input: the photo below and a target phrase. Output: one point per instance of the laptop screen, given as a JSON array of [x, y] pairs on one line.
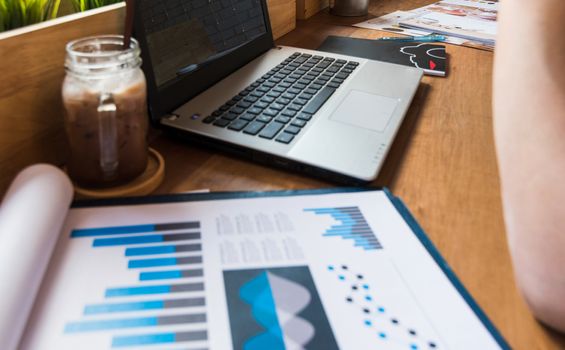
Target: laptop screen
[[184, 36]]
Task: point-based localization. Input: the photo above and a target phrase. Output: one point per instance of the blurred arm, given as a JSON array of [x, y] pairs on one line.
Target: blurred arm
[[529, 124]]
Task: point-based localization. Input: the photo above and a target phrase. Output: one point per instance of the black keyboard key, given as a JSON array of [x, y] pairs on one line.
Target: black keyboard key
[[321, 98], [301, 60], [298, 123], [300, 86], [300, 101], [254, 127], [294, 91], [289, 95], [261, 105], [305, 96], [337, 80], [284, 101], [255, 84], [334, 85], [271, 112], [225, 107], [307, 55], [237, 110], [279, 76], [290, 80], [264, 118], [217, 113], [305, 116], [289, 113], [274, 94], [279, 89], [317, 70], [267, 99], [271, 130], [342, 75], [332, 69], [285, 137], [276, 80], [282, 119], [295, 107], [269, 85], [257, 93], [255, 110], [247, 116], [238, 124], [286, 71], [341, 61], [311, 91], [209, 119], [320, 82], [317, 57], [250, 99], [347, 70], [277, 106], [229, 116], [264, 88], [353, 63], [304, 82], [316, 86], [295, 76], [285, 85], [329, 59], [292, 130], [221, 123], [236, 98]]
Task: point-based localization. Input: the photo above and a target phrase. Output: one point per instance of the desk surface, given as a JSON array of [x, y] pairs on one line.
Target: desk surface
[[442, 165]]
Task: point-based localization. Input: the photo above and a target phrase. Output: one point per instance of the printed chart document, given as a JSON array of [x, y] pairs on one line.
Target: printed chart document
[[321, 269]]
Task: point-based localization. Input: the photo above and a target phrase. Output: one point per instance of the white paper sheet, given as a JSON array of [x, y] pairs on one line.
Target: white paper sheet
[[31, 218], [333, 271]]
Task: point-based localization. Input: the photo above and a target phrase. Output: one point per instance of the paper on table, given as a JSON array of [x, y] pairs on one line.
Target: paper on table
[[31, 218]]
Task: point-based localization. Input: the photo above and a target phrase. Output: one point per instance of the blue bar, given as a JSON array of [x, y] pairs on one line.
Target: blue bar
[[106, 242], [123, 307], [159, 275], [147, 339], [152, 262], [128, 291], [164, 249], [89, 232], [89, 326]]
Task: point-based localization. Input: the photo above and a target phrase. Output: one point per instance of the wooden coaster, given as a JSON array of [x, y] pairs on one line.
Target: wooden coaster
[[142, 185]]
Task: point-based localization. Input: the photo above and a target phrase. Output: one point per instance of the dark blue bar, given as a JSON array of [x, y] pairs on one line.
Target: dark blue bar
[[129, 291], [152, 263], [163, 249], [89, 326], [124, 307], [118, 230], [107, 242]]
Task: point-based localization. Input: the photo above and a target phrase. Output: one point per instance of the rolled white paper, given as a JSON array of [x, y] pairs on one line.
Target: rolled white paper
[[31, 218]]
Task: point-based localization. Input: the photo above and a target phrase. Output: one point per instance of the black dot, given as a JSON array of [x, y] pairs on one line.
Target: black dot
[[344, 267], [349, 299], [360, 277], [366, 311], [394, 320], [432, 345], [411, 331], [354, 287]]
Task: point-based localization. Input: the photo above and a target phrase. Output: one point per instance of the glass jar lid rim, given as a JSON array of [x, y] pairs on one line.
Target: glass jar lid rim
[[107, 39]]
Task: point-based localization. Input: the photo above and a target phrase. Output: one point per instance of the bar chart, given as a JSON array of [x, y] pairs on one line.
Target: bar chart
[[166, 260], [352, 226]]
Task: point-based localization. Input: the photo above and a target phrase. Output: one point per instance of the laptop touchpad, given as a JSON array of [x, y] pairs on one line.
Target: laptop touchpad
[[365, 110]]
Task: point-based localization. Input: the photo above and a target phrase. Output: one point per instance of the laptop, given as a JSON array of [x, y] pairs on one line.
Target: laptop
[[214, 75]]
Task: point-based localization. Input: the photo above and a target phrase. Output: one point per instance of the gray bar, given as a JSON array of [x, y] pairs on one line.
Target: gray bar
[[191, 302], [188, 248], [189, 260], [181, 319], [177, 226], [192, 273], [191, 336], [188, 287], [181, 237]]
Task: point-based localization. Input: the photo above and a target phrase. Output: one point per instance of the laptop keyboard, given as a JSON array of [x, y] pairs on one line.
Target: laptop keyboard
[[280, 103]]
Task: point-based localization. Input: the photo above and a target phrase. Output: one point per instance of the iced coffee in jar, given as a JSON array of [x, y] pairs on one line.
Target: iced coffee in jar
[[104, 94]]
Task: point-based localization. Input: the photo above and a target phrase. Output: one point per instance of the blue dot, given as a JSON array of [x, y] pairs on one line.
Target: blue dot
[[368, 322], [381, 309], [365, 286], [382, 335], [414, 347], [368, 298], [341, 277], [331, 268]]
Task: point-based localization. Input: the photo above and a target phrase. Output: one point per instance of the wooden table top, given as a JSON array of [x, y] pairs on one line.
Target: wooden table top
[[442, 164]]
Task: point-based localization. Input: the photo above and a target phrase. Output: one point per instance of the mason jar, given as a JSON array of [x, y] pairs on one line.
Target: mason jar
[[104, 95]]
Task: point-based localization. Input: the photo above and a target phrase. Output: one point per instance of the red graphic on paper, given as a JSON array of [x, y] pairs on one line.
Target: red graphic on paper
[[432, 65]]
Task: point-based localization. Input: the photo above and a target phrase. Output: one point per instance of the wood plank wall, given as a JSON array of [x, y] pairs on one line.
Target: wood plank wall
[[31, 119]]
